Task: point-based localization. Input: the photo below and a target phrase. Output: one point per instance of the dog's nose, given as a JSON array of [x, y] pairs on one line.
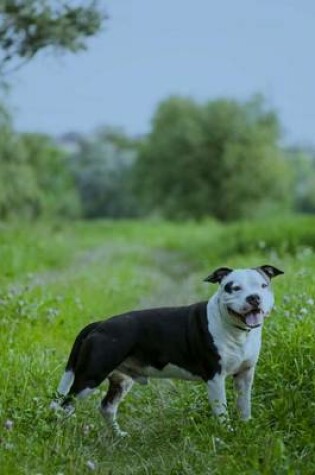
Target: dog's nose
[[253, 299]]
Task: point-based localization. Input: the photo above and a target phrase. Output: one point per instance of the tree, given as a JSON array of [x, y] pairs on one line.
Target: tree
[[302, 162], [220, 159], [35, 179], [56, 188], [19, 192], [29, 26], [103, 167]]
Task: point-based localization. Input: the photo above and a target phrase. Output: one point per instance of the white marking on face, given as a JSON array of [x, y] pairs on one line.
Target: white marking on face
[[235, 292]]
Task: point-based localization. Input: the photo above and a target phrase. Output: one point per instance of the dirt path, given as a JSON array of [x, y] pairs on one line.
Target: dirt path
[[175, 279]]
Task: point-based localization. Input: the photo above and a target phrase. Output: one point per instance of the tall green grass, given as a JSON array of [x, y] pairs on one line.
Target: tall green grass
[[55, 279]]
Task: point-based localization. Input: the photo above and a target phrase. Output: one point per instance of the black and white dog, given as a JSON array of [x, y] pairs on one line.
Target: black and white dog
[[205, 341]]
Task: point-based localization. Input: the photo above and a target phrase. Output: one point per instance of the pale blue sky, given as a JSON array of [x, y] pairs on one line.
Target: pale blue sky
[[201, 48]]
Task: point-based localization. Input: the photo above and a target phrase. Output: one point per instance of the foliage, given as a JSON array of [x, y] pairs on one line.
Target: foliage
[[219, 159], [302, 162], [19, 192], [29, 26], [102, 168], [58, 196], [216, 160], [103, 268], [34, 179], [275, 237]]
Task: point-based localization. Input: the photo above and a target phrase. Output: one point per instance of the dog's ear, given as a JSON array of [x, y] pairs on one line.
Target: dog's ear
[[218, 275], [270, 271]]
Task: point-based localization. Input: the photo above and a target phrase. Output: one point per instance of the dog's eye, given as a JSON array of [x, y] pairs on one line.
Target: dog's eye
[[264, 285], [236, 288]]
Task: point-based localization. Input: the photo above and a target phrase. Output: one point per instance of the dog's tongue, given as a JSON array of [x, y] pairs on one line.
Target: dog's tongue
[[254, 318]]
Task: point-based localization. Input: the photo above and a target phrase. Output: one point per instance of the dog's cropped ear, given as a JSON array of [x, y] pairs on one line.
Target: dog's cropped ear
[[270, 271], [218, 275]]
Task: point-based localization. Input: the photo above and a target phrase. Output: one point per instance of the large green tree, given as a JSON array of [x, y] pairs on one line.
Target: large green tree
[[29, 26], [221, 159]]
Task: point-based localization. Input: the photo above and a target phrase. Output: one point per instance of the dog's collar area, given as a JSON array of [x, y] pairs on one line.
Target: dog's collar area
[[247, 330]]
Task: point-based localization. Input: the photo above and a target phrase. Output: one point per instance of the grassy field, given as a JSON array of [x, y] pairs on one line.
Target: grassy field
[[56, 278]]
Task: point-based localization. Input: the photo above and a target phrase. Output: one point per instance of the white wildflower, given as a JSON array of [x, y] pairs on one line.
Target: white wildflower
[[8, 446], [91, 465], [8, 424]]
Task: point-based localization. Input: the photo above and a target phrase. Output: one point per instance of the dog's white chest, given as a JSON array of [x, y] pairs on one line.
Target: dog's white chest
[[237, 355], [237, 349]]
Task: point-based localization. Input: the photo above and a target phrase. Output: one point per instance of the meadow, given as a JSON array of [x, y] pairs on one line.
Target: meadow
[[55, 278]]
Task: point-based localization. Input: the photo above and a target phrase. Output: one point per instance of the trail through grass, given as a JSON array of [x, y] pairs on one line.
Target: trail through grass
[[56, 279]]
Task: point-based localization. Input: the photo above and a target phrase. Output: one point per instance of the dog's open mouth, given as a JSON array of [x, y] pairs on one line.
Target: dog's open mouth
[[253, 318]]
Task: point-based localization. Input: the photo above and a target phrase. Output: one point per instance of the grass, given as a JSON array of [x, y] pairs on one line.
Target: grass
[[56, 278]]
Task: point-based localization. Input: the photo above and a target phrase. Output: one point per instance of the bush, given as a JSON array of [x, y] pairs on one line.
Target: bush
[[220, 159]]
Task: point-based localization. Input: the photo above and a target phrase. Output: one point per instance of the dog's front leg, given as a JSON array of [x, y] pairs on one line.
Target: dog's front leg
[[243, 382], [217, 396]]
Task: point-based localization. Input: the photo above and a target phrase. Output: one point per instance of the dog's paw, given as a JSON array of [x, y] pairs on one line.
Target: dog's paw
[[225, 422], [117, 432], [55, 406], [59, 410], [120, 433], [68, 410], [246, 418]]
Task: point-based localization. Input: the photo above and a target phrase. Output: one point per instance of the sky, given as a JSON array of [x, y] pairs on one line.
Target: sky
[[150, 50]]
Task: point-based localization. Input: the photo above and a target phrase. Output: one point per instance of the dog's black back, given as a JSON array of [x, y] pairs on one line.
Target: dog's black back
[[156, 337]]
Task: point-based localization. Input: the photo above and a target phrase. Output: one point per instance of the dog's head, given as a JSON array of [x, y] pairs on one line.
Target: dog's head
[[245, 295]]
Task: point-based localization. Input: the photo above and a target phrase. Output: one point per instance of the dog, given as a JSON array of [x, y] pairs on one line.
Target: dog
[[205, 341]]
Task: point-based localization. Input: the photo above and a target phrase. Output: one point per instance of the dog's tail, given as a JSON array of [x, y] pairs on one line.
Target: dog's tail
[[69, 374]]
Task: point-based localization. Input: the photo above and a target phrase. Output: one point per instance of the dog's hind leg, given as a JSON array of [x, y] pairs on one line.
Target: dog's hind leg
[[119, 385], [98, 358], [83, 386]]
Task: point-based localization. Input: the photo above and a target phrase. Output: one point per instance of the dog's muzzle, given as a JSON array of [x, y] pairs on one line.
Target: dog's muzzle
[[253, 318]]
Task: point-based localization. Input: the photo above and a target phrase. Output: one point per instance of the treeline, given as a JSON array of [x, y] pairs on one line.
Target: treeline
[[35, 179], [221, 159]]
